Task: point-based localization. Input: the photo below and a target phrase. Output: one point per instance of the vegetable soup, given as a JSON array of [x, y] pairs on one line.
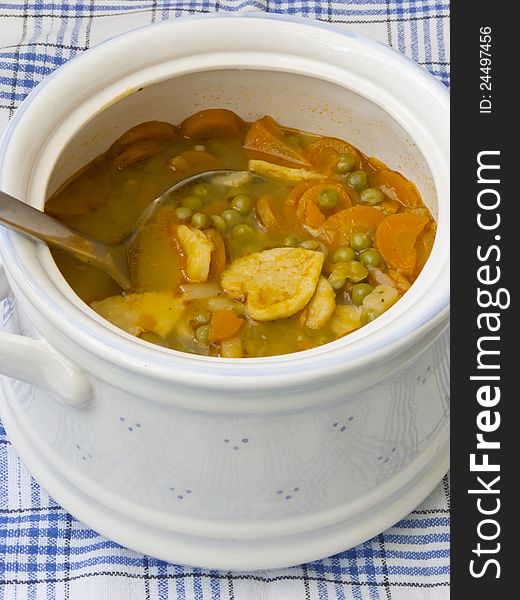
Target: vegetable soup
[[306, 242]]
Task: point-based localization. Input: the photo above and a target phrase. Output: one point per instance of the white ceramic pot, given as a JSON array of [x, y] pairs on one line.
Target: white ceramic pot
[[234, 464]]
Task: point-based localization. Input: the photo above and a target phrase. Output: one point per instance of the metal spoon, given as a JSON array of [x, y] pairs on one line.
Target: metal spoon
[[113, 260]]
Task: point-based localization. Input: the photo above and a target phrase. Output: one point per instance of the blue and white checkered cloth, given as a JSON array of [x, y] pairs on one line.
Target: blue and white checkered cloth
[[46, 554]]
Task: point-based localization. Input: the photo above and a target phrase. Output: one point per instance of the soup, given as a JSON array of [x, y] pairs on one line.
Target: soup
[[306, 242]]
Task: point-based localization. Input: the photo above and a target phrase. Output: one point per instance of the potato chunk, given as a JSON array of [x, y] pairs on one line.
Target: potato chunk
[[381, 298], [277, 283], [137, 313], [321, 306], [197, 249]]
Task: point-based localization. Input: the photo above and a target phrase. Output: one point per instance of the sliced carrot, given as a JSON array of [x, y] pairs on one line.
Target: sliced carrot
[[293, 198], [338, 228], [424, 247], [213, 122], [396, 237], [219, 254], [390, 206], [266, 140], [324, 153], [144, 131], [136, 153], [314, 192], [297, 192], [266, 213], [305, 198], [375, 164], [336, 144], [325, 160], [397, 187], [224, 325], [192, 161], [308, 212]]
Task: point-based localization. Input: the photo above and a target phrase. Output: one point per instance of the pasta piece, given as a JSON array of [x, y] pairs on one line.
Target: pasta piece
[[272, 171]]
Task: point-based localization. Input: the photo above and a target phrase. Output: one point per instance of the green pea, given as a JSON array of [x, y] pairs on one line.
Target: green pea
[[242, 230], [231, 217], [352, 270], [355, 271], [310, 245], [336, 280], [371, 257], [200, 220], [242, 204], [357, 180], [202, 190], [202, 317], [293, 241], [368, 315], [343, 254], [359, 291], [183, 212], [202, 334], [346, 162], [328, 198], [192, 202], [360, 240], [371, 196], [218, 222]]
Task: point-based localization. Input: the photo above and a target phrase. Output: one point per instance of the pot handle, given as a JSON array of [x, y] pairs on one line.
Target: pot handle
[[34, 362]]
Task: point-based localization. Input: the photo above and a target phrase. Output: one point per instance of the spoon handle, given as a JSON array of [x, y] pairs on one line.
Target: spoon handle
[[25, 219]]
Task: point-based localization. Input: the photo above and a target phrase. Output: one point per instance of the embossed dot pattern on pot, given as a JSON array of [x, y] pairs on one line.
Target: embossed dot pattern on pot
[[385, 458], [236, 445], [180, 493], [131, 426], [85, 455], [289, 493], [340, 426]]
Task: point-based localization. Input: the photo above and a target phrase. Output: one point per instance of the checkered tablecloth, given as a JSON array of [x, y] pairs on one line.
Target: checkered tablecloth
[[47, 554]]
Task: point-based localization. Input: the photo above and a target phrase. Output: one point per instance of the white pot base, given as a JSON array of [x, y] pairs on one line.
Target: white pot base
[[228, 554]]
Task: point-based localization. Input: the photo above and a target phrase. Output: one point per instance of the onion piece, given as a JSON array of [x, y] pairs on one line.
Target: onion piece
[[199, 291]]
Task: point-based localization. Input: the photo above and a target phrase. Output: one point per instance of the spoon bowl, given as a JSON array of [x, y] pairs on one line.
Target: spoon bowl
[[112, 259]]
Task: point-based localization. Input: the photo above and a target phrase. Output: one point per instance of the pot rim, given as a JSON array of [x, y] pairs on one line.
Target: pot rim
[[375, 342]]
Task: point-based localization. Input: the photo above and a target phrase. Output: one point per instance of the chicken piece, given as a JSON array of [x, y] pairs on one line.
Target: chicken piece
[[197, 249], [136, 313], [273, 171], [277, 283], [381, 298], [321, 306], [345, 318]]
